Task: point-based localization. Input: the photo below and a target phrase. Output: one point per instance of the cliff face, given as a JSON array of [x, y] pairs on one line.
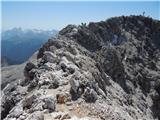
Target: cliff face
[[105, 70]]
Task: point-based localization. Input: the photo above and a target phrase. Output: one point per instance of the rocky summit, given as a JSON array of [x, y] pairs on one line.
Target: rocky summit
[[109, 70]]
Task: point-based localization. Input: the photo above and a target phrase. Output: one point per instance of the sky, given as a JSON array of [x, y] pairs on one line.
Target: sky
[[56, 15]]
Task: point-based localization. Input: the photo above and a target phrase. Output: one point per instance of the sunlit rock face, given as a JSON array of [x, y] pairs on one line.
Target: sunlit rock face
[[103, 71]]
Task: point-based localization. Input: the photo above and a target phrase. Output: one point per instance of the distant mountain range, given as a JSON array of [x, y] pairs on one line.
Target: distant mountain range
[[17, 45]]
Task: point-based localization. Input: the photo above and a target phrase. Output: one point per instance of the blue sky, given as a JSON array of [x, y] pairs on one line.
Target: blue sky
[[56, 15]]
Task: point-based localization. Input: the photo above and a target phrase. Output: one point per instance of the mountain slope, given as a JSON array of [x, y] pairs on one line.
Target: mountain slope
[[103, 71], [6, 61], [18, 45], [12, 73]]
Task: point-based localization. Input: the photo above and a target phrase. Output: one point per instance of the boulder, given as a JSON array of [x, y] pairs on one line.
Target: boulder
[[29, 66], [50, 57], [16, 112], [90, 95], [49, 103], [27, 102]]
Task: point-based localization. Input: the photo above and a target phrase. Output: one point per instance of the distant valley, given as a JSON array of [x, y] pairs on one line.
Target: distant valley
[[17, 45]]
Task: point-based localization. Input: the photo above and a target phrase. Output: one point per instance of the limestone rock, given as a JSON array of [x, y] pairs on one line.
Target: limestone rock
[[106, 70], [49, 103], [90, 95], [36, 116], [29, 66]]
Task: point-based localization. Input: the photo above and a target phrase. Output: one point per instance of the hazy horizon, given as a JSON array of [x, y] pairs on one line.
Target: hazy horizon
[[26, 29], [56, 15]]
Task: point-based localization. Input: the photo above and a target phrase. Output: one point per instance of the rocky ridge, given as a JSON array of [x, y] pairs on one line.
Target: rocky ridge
[[105, 70]]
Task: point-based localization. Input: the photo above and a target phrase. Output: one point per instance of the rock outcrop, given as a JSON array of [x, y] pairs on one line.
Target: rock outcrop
[[105, 70]]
